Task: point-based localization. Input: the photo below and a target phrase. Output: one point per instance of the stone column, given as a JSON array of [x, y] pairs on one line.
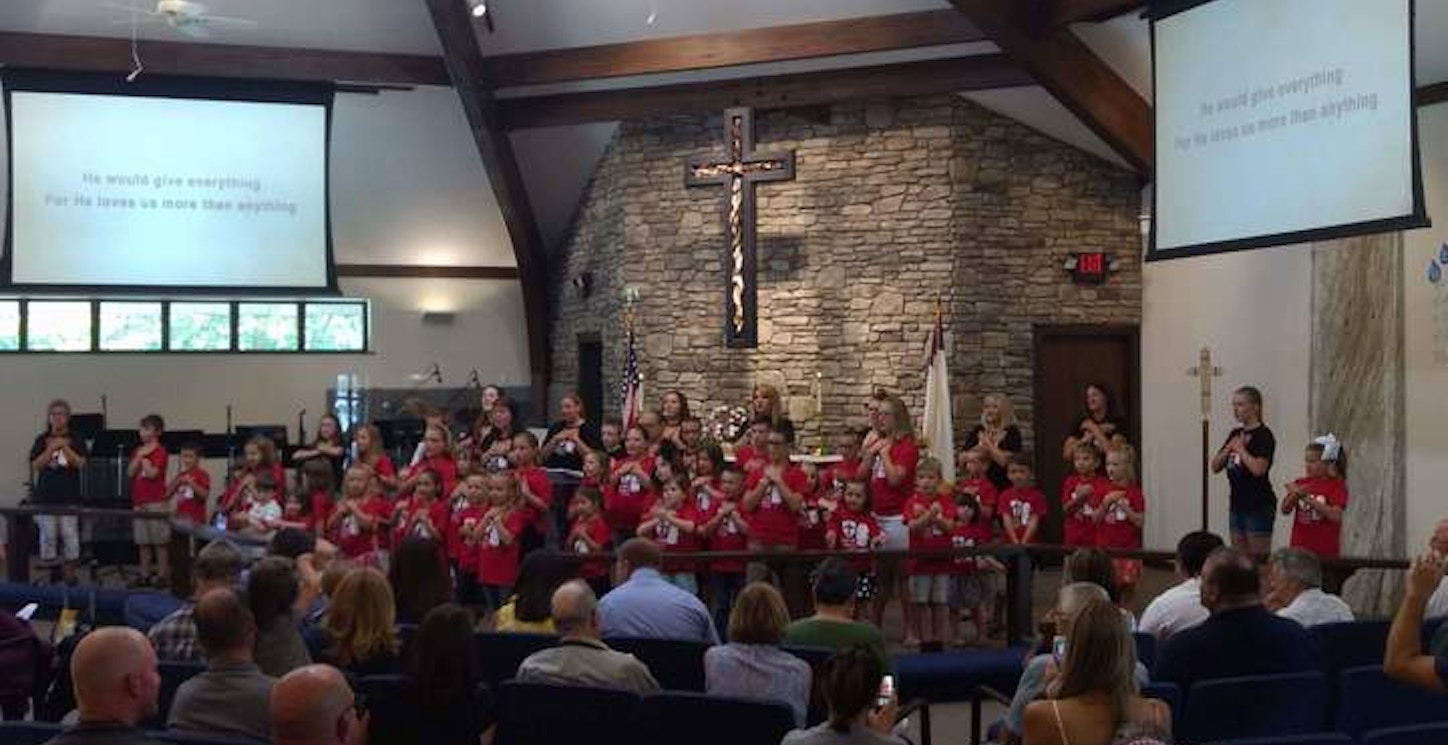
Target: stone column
[[1358, 393]]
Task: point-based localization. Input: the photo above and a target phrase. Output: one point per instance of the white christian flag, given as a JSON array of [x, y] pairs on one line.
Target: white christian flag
[[936, 426]]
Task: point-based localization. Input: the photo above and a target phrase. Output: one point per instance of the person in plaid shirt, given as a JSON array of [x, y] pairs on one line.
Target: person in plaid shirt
[[174, 637]]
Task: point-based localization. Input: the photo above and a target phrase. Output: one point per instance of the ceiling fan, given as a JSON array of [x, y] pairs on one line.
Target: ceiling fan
[[185, 16]]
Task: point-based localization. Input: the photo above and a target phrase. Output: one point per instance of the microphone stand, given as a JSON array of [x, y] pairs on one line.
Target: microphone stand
[[302, 427], [230, 447]]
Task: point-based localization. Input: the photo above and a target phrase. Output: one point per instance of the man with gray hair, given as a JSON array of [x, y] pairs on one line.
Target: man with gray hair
[[1296, 590], [581, 657]]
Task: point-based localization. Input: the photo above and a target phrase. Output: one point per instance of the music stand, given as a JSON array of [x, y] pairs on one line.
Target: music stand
[[400, 437], [174, 440], [87, 426], [117, 444]]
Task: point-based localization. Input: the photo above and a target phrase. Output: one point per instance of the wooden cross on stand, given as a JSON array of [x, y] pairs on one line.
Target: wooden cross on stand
[[738, 172], [1206, 372]]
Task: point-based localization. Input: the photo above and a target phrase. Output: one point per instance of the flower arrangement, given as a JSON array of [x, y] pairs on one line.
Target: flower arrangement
[[726, 423]]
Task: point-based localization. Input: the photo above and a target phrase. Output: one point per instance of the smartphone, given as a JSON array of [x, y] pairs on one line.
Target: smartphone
[[887, 692], [1058, 649]]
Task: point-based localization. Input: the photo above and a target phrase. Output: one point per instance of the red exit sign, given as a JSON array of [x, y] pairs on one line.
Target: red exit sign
[[1091, 268]]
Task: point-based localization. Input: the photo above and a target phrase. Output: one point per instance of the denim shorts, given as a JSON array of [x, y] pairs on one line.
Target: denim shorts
[[1253, 522]]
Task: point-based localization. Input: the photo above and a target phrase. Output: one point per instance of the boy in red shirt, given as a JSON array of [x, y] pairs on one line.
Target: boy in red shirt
[[773, 498], [725, 529], [147, 471], [497, 538], [970, 588], [1079, 493], [673, 523], [462, 539], [633, 486], [975, 483], [1119, 512], [852, 528], [534, 488], [930, 515], [754, 454], [357, 520], [192, 485], [1318, 500], [1022, 505], [588, 534], [834, 477]]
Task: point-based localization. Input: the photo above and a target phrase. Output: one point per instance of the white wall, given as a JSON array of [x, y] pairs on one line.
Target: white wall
[[1253, 310], [407, 188]]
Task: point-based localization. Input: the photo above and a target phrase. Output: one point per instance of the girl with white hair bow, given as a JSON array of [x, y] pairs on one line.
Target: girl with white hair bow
[[1319, 499]]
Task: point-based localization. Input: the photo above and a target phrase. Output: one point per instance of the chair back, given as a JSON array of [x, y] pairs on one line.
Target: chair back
[[1417, 734], [27, 733], [200, 738], [1324, 738], [173, 674], [550, 714], [815, 657], [1352, 644], [500, 654], [19, 665], [1255, 706], [1145, 649], [678, 665], [730, 721], [143, 609], [1370, 700]]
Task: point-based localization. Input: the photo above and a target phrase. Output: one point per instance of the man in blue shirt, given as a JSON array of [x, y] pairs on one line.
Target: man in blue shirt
[[646, 606], [1241, 637]]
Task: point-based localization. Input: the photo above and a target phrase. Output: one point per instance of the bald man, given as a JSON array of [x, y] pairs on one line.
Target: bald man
[[116, 688], [313, 705], [581, 657]]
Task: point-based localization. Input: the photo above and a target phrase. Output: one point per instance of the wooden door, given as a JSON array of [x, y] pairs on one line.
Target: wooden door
[[1068, 358]]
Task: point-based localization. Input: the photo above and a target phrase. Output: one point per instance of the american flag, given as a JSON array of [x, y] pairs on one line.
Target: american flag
[[631, 382]]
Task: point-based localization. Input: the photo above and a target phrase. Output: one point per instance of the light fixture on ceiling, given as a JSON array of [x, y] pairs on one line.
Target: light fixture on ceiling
[[479, 9]]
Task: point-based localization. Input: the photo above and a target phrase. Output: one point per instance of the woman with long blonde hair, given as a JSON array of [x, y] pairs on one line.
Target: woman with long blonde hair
[[360, 630]]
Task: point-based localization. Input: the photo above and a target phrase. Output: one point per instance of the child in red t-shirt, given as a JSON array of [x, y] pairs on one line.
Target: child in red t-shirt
[[673, 523], [259, 455], [588, 534], [632, 479], [754, 454], [1022, 505], [814, 515], [833, 478], [1078, 495], [358, 519], [462, 539], [1119, 512], [436, 457], [192, 485], [725, 529], [930, 515], [147, 471], [497, 537], [975, 482], [1318, 500], [369, 452], [424, 514], [852, 528], [610, 435], [314, 504], [534, 488], [970, 588]]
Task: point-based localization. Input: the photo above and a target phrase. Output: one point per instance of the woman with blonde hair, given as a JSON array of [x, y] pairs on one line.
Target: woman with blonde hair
[[887, 464], [359, 635], [752, 664], [1093, 698], [996, 437]]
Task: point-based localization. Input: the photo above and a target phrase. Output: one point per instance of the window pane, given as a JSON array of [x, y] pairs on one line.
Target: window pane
[[55, 326], [9, 325], [200, 327], [130, 327], [267, 327], [336, 327]]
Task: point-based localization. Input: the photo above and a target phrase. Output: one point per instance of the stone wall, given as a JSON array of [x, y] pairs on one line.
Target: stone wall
[[895, 204]]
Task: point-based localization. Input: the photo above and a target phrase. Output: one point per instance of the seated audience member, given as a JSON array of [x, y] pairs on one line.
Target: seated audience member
[[442, 701], [581, 657], [643, 604], [419, 578], [1097, 567], [217, 566], [1095, 697], [116, 688], [314, 705], [1403, 660], [272, 591], [851, 687], [337, 569], [360, 634], [752, 665], [24, 670], [1438, 602], [1045, 668], [1180, 607], [232, 696], [1296, 590], [833, 626], [542, 572], [1242, 637]]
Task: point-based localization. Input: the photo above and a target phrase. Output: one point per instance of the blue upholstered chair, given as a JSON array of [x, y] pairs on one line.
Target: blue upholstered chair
[[547, 714], [678, 665], [665, 717], [1255, 706], [1369, 700]]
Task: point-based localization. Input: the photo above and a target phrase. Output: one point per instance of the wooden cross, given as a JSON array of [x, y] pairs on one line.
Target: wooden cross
[[1205, 371], [738, 172]]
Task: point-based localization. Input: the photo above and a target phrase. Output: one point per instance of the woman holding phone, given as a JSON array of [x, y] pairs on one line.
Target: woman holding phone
[[862, 702]]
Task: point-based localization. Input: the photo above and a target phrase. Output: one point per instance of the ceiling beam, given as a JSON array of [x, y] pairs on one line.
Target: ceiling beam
[[1080, 80], [731, 48], [1429, 95], [465, 66], [96, 54], [929, 77], [1063, 12]]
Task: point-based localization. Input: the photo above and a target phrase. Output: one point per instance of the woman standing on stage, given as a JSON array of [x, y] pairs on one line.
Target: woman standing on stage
[[1247, 459], [56, 460], [1102, 425]]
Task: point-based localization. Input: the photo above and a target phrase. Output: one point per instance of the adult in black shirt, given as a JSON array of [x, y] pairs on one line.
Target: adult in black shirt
[[570, 437], [56, 460], [997, 437], [443, 703], [328, 446], [1102, 425], [1247, 459]]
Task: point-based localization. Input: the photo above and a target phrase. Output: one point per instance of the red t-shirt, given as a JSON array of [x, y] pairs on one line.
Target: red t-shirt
[[351, 538], [855, 532], [537, 480], [1311, 530], [624, 507], [151, 490], [814, 520], [890, 500], [833, 478], [1080, 528], [1115, 529], [1022, 505], [460, 548], [983, 490], [597, 530], [727, 536], [383, 466], [498, 563], [409, 520], [974, 533], [445, 467], [772, 522], [750, 460], [930, 537], [189, 504], [320, 510], [672, 540]]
